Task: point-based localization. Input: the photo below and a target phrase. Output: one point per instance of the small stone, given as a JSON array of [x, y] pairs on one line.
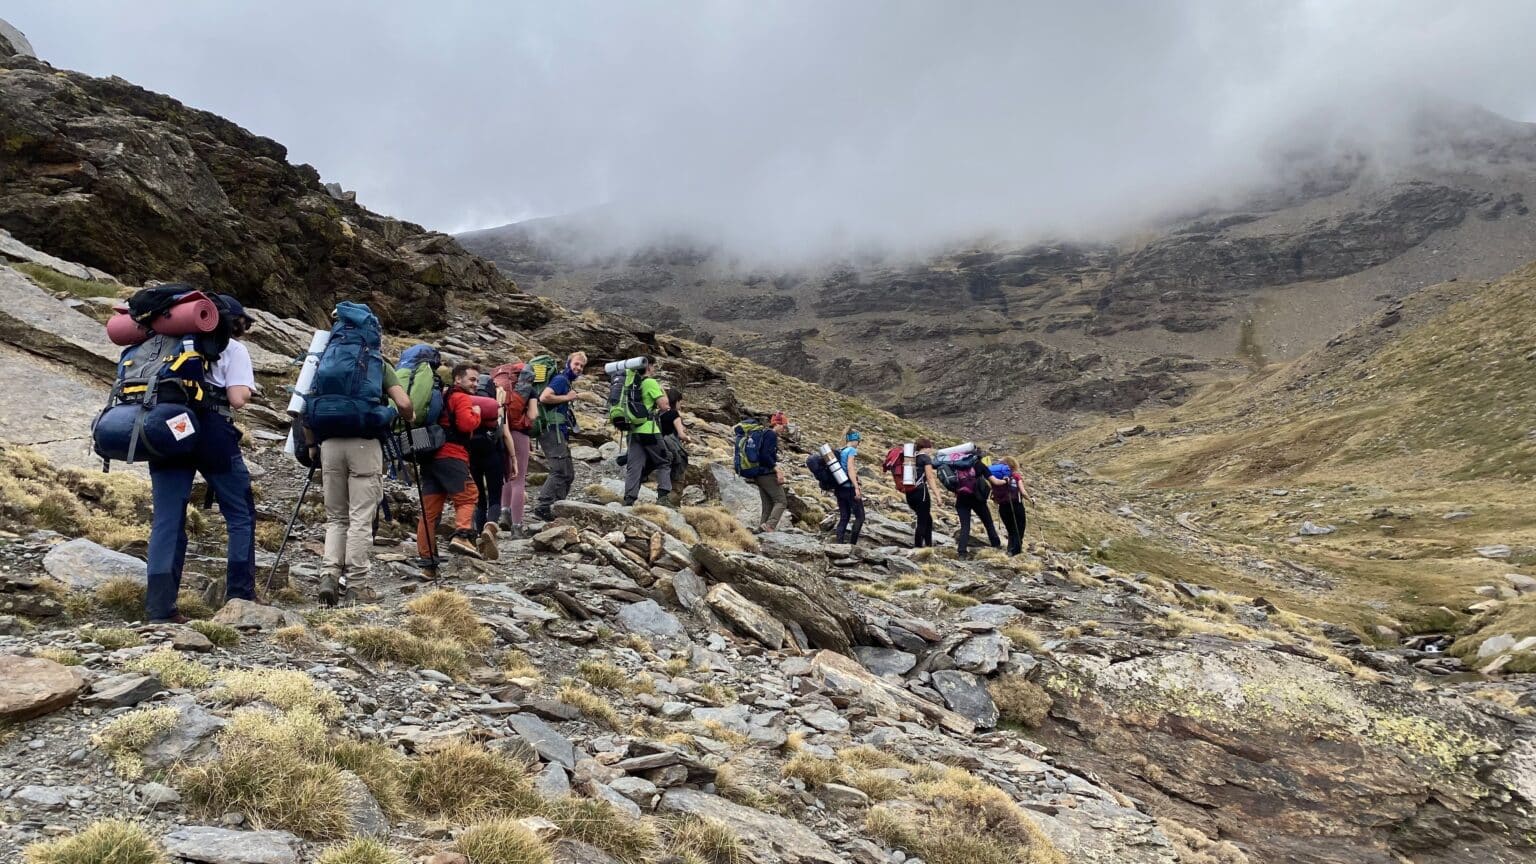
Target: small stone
[[543, 738], [553, 782], [1312, 529], [619, 802], [642, 792], [826, 721], [122, 691], [1498, 550], [1495, 645], [839, 796], [885, 661], [158, 794], [248, 615], [190, 640], [541, 828], [32, 686], [1522, 583], [991, 613]]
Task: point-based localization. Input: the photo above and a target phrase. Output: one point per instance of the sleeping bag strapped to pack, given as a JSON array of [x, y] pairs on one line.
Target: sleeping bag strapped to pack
[[514, 402], [418, 375], [900, 463], [346, 396], [626, 401], [749, 443], [154, 410], [959, 471]]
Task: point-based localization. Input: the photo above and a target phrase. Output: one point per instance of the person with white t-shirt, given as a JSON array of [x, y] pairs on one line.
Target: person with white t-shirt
[[217, 457]]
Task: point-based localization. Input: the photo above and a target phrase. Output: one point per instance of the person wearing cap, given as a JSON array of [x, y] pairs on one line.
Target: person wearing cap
[[770, 478], [850, 498], [231, 381]]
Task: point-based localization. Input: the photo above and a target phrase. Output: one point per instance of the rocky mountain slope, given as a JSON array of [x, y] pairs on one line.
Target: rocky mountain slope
[[633, 683], [138, 185], [1046, 334], [1407, 444], [637, 684]]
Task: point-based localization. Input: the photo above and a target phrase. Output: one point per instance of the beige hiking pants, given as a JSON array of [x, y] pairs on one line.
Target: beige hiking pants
[[351, 471]]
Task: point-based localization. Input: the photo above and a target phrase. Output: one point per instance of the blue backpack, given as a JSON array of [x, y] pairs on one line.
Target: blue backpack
[[749, 442], [346, 399]]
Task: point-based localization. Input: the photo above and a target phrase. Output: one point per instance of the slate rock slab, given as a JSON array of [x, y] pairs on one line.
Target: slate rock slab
[[32, 686], [209, 845], [966, 695], [82, 565]]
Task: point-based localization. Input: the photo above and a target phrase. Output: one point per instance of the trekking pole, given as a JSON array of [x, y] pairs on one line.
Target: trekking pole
[[426, 526], [289, 530]]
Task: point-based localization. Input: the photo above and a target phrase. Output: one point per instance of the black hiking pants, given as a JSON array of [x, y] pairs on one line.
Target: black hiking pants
[[849, 507], [922, 508], [965, 505], [1012, 513], [488, 467]]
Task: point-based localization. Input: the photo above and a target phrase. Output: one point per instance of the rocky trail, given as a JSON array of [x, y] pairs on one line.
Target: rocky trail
[[642, 684]]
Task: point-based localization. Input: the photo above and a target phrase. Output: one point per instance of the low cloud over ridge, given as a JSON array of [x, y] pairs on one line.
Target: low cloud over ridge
[[795, 128]]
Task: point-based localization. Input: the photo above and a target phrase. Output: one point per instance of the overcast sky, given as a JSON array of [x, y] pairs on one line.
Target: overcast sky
[[792, 125]]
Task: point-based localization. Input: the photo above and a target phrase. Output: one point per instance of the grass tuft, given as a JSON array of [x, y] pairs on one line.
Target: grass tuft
[[175, 670], [61, 656], [360, 850], [598, 824], [502, 841], [591, 705], [112, 638], [285, 689], [707, 840], [111, 841], [122, 597], [222, 635], [464, 781], [1020, 700], [720, 529], [127, 735]]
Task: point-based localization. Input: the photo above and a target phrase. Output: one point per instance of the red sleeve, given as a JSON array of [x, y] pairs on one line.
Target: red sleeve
[[462, 409]]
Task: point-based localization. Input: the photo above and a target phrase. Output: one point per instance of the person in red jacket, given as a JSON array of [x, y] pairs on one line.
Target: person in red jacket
[[446, 478]]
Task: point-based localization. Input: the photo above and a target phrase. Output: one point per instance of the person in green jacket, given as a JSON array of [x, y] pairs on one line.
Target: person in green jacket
[[647, 452]]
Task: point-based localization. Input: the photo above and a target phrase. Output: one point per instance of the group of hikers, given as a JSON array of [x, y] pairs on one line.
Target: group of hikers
[[916, 470], [465, 442]]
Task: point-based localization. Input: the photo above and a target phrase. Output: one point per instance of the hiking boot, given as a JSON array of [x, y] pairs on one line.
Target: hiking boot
[[487, 542], [429, 574], [330, 590], [464, 546], [178, 618], [505, 522], [668, 500], [543, 513]]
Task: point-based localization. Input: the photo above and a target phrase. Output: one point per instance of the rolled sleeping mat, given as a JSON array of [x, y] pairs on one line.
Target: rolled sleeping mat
[[301, 387], [123, 330], [955, 451], [489, 411], [194, 313], [618, 366]]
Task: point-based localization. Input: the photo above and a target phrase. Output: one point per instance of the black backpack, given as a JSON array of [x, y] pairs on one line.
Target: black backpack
[[822, 472]]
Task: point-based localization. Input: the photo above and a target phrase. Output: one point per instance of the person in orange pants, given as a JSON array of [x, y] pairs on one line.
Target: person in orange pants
[[446, 478]]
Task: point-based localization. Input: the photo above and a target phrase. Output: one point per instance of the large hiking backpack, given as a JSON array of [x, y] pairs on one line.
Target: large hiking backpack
[[958, 472], [514, 400], [626, 401], [346, 398], [534, 378], [748, 448], [418, 375], [822, 472], [893, 465]]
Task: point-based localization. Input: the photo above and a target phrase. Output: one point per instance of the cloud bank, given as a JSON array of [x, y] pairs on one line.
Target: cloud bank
[[790, 128]]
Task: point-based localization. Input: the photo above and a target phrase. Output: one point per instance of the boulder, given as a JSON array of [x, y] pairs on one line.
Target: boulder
[[248, 615], [604, 520], [649, 619], [208, 845], [966, 695], [885, 661], [770, 838], [790, 593], [544, 740], [746, 616], [32, 686], [736, 495], [840, 676], [994, 614], [983, 654], [84, 566], [31, 317]]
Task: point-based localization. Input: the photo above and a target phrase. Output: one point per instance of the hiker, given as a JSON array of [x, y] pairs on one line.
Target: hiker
[[757, 461], [1008, 489], [518, 413], [674, 436], [348, 429], [920, 495], [231, 381], [557, 418], [646, 451], [850, 498], [488, 468], [445, 478], [959, 470]]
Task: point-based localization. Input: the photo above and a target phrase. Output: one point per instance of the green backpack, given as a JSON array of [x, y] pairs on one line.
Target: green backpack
[[532, 381], [626, 402]]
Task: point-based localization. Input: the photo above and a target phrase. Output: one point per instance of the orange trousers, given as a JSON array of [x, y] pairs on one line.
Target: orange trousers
[[432, 506]]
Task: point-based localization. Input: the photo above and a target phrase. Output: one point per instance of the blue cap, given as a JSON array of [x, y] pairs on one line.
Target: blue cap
[[232, 307], [854, 436]]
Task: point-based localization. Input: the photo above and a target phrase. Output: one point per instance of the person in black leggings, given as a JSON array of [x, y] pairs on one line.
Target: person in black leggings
[[1009, 492], [967, 504], [921, 498], [850, 498]]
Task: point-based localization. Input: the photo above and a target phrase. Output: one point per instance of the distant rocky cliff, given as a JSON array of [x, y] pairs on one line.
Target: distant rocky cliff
[[141, 186]]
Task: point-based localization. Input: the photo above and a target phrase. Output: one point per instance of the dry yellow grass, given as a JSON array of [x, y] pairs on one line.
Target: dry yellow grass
[[110, 509], [285, 689], [705, 840], [174, 669], [465, 781], [502, 841], [1020, 700], [720, 529], [127, 735], [360, 850], [591, 705], [112, 841]]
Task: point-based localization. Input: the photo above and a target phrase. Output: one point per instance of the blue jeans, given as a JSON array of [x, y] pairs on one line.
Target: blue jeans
[[223, 468]]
